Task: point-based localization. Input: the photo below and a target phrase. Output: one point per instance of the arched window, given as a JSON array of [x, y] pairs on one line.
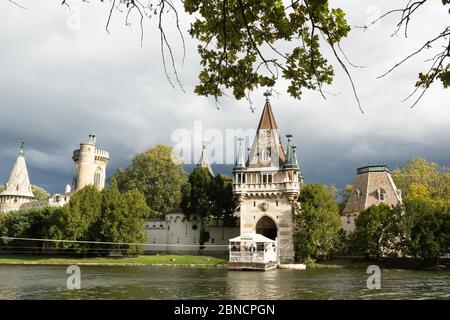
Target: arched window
[[97, 178], [265, 155]]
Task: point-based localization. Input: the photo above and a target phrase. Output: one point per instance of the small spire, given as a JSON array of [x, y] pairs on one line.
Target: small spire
[[288, 161], [204, 161], [294, 157], [240, 160], [22, 143], [291, 156]]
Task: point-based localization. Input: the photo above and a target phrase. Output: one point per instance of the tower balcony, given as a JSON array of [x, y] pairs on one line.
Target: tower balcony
[[290, 187]]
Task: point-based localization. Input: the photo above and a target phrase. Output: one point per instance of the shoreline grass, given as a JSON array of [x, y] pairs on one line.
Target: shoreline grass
[[142, 260]]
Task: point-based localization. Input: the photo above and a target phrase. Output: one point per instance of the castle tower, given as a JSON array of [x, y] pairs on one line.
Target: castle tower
[[373, 185], [18, 189], [204, 161], [268, 185], [90, 165]]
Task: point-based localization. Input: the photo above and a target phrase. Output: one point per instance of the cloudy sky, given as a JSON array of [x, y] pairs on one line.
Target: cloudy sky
[[62, 78]]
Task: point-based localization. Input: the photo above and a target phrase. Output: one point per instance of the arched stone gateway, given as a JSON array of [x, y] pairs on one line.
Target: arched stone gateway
[[267, 227]]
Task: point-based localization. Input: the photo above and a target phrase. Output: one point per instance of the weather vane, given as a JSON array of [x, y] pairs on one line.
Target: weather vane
[[267, 94]]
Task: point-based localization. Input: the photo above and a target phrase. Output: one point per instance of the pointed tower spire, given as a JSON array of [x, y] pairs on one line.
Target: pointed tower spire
[[267, 150], [204, 162], [19, 182], [240, 159]]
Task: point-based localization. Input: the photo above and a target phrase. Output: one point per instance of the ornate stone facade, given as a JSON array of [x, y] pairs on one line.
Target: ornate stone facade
[[268, 185]]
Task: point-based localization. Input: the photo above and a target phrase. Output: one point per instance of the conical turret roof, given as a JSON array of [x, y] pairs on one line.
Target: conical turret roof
[[19, 182], [204, 161]]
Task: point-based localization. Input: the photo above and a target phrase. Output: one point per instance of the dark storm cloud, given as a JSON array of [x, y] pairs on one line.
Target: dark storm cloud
[[59, 84]]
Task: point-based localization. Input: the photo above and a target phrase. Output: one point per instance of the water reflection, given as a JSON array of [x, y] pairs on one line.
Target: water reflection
[[49, 282]]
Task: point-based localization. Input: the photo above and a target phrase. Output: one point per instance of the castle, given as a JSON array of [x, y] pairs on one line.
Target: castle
[[90, 168], [267, 186], [267, 182]]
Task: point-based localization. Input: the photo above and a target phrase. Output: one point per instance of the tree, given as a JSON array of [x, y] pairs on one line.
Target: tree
[[157, 176], [378, 232], [76, 219], [209, 197], [343, 195], [39, 192], [419, 177], [26, 223], [245, 44], [224, 202], [196, 197], [439, 67], [317, 223], [427, 228], [122, 219]]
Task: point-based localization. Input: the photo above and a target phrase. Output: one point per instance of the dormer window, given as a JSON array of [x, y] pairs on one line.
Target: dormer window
[[381, 194], [265, 155]]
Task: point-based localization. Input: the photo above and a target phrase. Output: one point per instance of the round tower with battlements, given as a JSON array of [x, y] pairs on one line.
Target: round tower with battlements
[[90, 165]]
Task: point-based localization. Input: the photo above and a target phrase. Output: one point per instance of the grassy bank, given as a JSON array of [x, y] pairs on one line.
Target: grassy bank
[[139, 260]]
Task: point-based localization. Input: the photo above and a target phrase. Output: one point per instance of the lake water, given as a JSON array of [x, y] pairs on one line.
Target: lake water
[[116, 282]]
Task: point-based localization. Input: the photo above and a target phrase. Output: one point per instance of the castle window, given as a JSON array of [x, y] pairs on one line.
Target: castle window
[[276, 202], [212, 240], [265, 155], [194, 227], [381, 194], [348, 219], [254, 203], [97, 178]]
